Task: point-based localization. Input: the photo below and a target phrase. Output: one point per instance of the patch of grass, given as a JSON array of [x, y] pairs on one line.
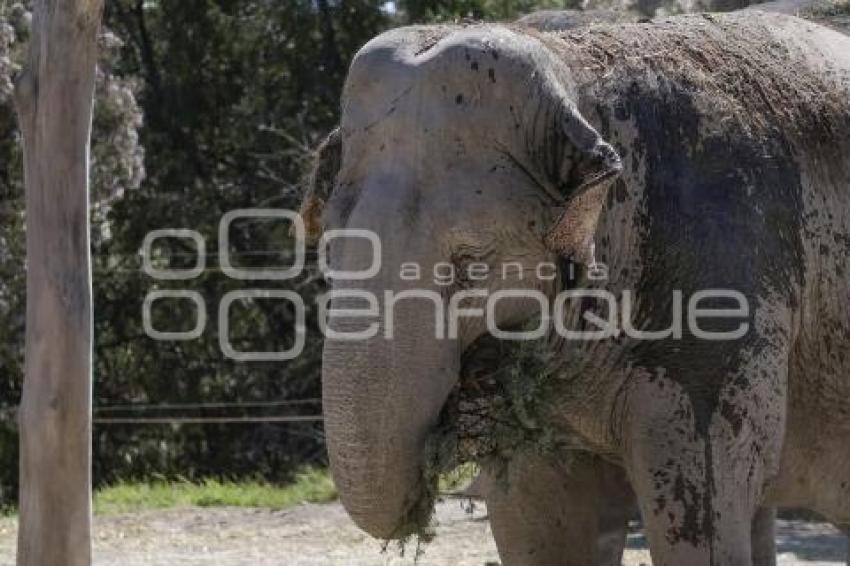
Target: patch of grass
[[458, 478], [310, 486]]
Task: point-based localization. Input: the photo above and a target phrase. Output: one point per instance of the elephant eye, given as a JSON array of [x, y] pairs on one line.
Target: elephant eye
[[552, 194]]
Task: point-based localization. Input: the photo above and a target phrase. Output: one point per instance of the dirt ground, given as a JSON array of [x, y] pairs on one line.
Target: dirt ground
[[323, 535]]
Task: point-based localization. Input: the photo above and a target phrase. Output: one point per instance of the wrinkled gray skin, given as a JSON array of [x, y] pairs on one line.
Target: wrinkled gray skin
[[490, 144]]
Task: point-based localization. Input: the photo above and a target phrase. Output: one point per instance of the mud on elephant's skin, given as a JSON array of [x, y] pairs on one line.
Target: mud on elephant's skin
[[700, 152]]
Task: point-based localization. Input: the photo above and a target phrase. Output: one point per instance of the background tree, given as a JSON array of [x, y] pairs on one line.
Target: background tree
[[235, 93]]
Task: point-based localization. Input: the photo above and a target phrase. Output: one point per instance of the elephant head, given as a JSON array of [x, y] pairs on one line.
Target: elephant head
[[459, 148]]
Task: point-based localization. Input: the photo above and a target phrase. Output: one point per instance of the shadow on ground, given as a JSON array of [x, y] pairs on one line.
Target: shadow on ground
[[805, 540]]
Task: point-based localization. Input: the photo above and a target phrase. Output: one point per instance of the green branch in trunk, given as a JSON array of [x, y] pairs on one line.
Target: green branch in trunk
[[497, 410]]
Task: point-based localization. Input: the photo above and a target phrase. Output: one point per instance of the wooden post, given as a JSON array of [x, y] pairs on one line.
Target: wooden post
[[54, 99]]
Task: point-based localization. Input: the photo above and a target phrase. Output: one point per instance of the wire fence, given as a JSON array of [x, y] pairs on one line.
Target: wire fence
[[218, 405], [142, 413], [210, 420]]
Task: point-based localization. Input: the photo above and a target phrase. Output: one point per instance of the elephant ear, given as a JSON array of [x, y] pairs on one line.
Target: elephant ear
[[320, 184], [585, 185]]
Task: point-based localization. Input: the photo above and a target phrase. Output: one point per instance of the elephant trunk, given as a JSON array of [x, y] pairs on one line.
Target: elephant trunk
[[382, 396]]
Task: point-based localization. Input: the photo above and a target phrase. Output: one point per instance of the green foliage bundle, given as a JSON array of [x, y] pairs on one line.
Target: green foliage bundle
[[499, 408]]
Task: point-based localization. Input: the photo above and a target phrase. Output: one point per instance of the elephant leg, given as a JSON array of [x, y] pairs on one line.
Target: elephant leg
[[699, 469], [690, 514], [764, 537], [543, 513]]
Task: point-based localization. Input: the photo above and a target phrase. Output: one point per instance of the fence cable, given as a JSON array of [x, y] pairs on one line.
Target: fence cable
[[218, 405], [209, 420]]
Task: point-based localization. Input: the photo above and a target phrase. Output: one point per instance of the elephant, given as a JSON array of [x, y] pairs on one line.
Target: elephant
[[703, 161], [596, 491]]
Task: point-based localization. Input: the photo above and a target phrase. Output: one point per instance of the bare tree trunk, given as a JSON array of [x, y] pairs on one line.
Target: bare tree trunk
[[54, 98]]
